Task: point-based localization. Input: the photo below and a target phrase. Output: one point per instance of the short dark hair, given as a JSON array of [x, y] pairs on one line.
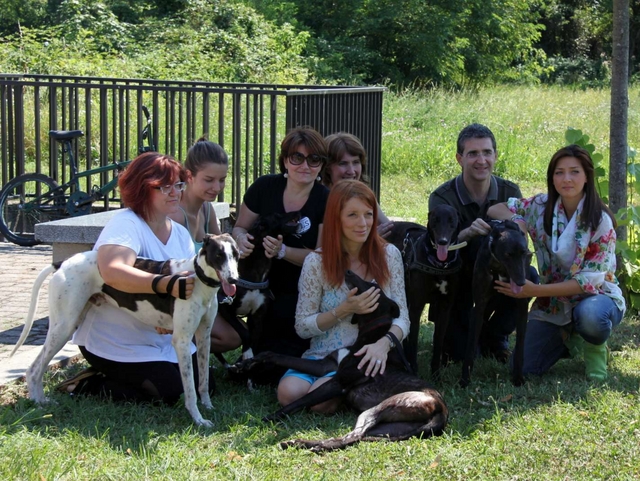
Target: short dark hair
[[340, 144], [307, 136], [474, 131]]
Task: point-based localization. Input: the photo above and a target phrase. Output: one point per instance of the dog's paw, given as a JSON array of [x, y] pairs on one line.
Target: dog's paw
[[518, 381]]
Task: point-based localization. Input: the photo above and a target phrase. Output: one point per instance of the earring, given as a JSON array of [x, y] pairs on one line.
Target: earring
[[318, 178], [286, 174]]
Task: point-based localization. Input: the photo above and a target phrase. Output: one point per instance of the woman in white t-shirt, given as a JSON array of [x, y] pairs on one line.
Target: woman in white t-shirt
[[131, 360]]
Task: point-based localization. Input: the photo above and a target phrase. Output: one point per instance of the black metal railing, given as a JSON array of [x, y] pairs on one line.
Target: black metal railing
[[247, 120]]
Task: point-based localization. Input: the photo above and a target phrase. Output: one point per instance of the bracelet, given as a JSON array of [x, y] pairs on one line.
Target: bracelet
[[154, 283], [335, 314], [392, 343], [517, 217], [283, 251]]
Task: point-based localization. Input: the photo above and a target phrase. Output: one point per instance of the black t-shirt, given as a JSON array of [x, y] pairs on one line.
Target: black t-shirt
[[266, 196]]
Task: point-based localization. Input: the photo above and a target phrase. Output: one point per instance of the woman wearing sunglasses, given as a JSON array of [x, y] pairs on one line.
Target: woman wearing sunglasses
[[303, 153]]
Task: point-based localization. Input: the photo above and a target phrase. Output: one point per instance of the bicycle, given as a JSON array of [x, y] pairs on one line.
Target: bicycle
[[29, 199]]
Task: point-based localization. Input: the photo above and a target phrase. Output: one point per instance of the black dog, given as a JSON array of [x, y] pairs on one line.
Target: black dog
[[252, 289], [394, 406], [503, 255], [431, 275]]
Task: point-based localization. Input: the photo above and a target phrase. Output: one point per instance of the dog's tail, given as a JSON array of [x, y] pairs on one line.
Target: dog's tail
[[33, 306]]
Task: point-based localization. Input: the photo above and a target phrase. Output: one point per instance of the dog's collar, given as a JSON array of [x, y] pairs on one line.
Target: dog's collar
[[252, 285], [433, 266], [452, 247], [206, 280]]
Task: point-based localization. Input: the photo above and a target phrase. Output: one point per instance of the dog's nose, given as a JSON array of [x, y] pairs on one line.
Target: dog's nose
[[443, 242]]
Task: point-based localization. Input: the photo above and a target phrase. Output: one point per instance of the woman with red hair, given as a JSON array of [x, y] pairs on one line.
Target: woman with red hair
[[134, 361], [326, 305]]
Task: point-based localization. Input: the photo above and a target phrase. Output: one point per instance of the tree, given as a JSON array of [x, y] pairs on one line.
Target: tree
[[619, 109]]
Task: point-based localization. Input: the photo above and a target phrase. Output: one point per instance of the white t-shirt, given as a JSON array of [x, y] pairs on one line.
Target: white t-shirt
[[114, 334]]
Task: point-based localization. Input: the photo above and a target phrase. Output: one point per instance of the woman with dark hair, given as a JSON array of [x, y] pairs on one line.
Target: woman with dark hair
[[348, 160], [303, 153], [326, 305], [135, 362], [578, 301], [206, 167]]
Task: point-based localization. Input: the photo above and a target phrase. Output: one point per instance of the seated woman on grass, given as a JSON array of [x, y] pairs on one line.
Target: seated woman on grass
[[578, 301], [325, 303]]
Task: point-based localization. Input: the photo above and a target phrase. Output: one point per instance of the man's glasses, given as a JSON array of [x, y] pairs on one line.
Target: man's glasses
[[313, 160], [166, 189], [476, 154]]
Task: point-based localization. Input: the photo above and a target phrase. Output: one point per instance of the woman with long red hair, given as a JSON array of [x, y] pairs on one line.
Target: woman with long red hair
[[326, 305]]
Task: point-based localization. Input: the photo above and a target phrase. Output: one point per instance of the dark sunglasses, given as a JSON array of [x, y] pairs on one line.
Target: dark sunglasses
[[313, 160]]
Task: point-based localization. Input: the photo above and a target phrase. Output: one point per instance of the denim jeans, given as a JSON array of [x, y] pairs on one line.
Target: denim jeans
[[593, 318]]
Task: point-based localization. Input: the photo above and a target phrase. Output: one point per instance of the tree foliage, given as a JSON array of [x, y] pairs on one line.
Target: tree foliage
[[394, 42]]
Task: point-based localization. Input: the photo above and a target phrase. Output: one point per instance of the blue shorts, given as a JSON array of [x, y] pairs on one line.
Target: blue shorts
[[307, 377]]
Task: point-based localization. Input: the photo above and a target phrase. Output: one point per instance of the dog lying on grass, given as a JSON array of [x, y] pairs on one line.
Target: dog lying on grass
[[394, 406], [77, 282]]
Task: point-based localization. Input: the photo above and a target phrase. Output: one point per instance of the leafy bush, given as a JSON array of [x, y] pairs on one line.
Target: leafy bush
[[627, 252]]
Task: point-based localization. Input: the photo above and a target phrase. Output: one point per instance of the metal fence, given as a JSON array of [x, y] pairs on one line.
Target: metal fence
[[248, 120]]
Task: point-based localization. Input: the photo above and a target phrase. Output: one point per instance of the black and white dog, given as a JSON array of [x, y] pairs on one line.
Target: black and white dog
[[77, 283]]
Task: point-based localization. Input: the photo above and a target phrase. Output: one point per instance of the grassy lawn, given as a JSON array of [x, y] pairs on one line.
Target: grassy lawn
[[556, 427]]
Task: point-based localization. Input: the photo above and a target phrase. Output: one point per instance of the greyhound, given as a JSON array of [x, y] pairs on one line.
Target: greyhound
[[394, 406], [503, 255], [432, 264], [77, 283]]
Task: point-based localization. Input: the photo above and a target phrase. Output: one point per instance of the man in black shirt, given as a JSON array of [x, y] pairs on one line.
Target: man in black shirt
[[471, 193]]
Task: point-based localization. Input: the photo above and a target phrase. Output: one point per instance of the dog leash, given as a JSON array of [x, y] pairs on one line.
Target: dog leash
[[398, 347]]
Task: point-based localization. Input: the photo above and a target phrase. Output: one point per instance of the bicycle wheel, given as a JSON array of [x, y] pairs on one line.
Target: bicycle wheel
[[26, 201]]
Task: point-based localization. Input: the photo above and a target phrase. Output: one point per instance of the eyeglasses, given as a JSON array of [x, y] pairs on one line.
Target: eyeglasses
[[313, 160], [166, 189], [476, 154]]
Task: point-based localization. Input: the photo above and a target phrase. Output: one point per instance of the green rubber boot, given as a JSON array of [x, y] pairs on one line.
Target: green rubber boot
[[575, 344], [595, 360]]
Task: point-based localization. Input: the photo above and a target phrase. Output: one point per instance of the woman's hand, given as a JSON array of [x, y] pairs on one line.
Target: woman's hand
[[362, 303], [245, 247], [505, 288], [374, 356], [384, 229], [272, 246]]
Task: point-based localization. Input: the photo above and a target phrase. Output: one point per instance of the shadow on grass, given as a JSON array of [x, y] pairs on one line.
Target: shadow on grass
[[491, 398]]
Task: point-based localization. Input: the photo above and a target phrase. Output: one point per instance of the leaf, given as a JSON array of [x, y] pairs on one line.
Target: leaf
[[436, 462], [572, 135], [233, 456], [507, 398]]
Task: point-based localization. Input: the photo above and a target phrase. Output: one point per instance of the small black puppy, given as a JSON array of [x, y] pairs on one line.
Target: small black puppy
[[394, 406], [504, 256], [253, 295]]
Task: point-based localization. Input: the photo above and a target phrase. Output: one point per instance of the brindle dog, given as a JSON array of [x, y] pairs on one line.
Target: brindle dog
[[394, 406]]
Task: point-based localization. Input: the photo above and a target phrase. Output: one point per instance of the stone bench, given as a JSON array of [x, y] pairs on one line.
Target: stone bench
[[78, 234]]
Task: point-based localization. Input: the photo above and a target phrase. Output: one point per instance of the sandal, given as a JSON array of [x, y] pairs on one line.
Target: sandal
[[70, 385]]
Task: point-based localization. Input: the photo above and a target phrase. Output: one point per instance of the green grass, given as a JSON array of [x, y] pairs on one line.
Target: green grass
[[555, 427]]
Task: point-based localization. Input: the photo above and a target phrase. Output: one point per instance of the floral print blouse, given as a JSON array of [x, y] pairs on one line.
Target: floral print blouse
[[316, 295], [571, 252]]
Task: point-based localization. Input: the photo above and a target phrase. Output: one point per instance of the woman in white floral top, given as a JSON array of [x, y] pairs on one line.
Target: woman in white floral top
[[578, 301], [325, 303]]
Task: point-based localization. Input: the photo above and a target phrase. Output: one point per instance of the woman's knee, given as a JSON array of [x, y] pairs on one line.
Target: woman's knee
[[593, 318], [291, 389], [224, 337]]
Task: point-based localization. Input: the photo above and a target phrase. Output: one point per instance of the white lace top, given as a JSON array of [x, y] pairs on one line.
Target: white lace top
[[316, 295]]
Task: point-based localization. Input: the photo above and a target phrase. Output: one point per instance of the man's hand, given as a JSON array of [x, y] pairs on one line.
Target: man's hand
[[478, 227]]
